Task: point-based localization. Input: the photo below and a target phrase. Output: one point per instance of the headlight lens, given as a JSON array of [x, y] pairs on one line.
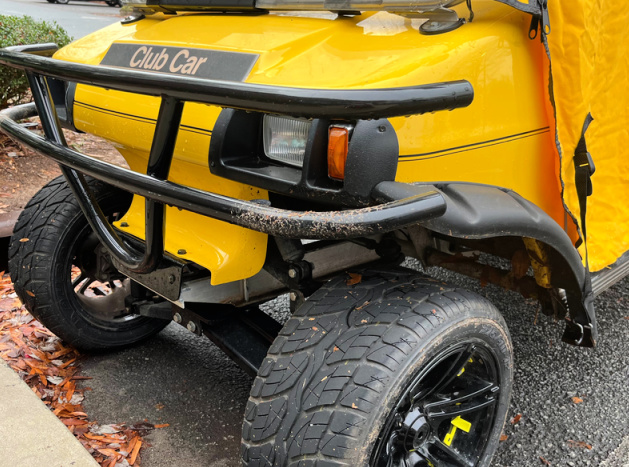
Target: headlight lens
[[285, 139]]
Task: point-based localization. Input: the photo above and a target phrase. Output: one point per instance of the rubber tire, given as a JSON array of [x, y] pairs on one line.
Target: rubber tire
[[337, 368], [51, 221]]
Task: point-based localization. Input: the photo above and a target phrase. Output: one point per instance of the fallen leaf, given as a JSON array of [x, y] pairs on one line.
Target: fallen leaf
[[105, 429], [136, 450], [579, 444], [354, 278], [544, 461], [54, 379], [30, 293], [108, 452], [577, 400], [73, 421], [516, 419], [503, 437], [162, 425], [23, 240]]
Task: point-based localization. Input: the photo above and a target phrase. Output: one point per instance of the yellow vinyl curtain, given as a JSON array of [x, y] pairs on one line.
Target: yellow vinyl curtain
[[589, 53]]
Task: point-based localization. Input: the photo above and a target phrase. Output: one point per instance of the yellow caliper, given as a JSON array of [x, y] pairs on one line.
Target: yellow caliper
[[457, 424]]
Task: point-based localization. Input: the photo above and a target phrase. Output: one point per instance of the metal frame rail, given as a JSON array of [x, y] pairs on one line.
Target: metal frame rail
[[174, 91]]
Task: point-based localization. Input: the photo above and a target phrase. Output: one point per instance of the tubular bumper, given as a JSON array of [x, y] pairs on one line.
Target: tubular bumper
[[158, 191]]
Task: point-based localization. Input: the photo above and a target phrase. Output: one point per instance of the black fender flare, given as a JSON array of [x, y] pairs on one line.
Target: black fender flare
[[478, 212]]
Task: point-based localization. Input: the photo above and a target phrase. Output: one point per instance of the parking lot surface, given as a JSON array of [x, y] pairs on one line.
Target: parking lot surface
[[186, 381]]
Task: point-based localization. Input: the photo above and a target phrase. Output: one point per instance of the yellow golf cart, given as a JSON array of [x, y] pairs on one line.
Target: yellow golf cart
[[307, 148]]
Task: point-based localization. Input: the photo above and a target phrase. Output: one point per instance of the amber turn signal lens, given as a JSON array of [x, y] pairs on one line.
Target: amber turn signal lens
[[338, 142]]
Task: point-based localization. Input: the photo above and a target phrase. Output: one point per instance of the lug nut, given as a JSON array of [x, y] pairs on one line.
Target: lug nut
[[292, 273], [171, 279], [177, 318], [181, 252], [191, 327], [124, 224]]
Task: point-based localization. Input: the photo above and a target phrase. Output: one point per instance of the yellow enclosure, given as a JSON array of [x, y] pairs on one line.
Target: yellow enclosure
[[506, 137]]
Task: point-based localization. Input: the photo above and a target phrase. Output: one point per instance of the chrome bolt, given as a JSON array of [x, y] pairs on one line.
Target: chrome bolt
[[171, 279], [293, 296], [191, 326], [124, 224], [292, 273], [177, 318], [181, 252]]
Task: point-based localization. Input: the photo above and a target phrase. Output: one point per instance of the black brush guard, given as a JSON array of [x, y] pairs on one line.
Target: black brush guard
[[174, 91]]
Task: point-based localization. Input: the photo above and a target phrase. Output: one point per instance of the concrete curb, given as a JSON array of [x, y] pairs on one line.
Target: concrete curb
[[620, 457], [30, 435], [7, 222]]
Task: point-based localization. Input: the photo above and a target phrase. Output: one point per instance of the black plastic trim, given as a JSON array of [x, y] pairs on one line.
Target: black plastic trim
[[477, 212]]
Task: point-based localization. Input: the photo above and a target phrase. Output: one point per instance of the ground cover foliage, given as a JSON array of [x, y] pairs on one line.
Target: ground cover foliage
[[24, 30]]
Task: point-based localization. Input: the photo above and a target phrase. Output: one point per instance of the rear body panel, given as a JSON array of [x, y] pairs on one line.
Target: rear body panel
[[502, 139]]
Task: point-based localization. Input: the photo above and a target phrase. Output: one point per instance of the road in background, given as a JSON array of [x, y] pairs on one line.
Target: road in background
[[77, 18]]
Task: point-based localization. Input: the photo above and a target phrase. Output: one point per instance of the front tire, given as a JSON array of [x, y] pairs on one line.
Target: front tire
[[54, 262], [398, 370]]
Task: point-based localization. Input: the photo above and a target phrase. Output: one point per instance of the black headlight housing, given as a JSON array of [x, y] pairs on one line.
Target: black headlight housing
[[237, 153]]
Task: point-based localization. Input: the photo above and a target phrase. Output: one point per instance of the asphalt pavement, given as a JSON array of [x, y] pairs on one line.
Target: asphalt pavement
[[77, 18], [184, 380]]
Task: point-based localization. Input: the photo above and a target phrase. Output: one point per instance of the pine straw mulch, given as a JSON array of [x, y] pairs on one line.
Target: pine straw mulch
[[52, 370]]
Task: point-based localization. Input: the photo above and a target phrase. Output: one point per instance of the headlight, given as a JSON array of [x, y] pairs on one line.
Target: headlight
[[359, 5], [285, 139]]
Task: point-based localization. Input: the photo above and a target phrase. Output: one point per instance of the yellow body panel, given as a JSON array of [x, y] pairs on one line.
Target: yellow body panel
[[502, 139], [228, 251]]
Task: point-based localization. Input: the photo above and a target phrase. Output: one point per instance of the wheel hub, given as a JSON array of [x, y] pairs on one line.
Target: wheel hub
[[416, 428], [446, 414]]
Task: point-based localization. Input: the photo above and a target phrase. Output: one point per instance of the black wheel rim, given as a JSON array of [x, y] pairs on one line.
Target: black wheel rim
[[101, 301], [446, 414]]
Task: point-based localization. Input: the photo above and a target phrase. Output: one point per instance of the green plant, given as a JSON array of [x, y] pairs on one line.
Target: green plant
[[23, 30]]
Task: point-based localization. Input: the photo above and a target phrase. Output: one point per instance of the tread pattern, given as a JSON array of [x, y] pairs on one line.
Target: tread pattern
[[37, 266], [316, 392]]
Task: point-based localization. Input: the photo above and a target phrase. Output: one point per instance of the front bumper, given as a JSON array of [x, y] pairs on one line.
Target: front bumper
[[158, 191]]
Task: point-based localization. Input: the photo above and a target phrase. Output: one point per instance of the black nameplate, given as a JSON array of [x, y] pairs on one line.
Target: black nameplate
[[185, 61]]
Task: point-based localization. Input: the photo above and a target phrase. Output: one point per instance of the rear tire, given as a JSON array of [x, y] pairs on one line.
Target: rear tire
[[337, 384], [50, 238]]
